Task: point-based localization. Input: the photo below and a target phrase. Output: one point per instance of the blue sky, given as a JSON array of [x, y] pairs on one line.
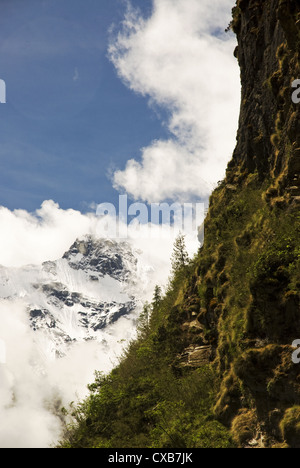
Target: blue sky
[[147, 116], [69, 120]]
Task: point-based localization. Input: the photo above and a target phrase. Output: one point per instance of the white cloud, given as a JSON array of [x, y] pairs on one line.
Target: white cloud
[[32, 238], [33, 389], [181, 59], [23, 389], [36, 237], [31, 386]]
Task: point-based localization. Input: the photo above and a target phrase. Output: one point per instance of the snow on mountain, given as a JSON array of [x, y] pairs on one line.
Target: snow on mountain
[[80, 296]]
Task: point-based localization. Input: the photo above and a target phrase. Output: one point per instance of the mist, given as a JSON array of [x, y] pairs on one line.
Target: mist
[[33, 388]]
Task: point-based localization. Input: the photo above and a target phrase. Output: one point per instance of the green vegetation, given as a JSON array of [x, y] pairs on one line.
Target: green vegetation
[[148, 408], [147, 401], [249, 272], [290, 426], [244, 426]]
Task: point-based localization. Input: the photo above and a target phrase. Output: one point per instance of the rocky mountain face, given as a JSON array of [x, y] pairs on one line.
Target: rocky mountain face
[[78, 296], [268, 138], [247, 285]]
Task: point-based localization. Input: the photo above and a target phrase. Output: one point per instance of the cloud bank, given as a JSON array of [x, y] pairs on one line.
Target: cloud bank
[[182, 60], [46, 234], [32, 388]]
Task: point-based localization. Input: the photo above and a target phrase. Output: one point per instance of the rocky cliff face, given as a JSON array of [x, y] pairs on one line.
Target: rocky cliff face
[[248, 280], [245, 293], [269, 131]]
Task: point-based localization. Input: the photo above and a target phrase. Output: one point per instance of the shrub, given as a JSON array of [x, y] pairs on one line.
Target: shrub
[[244, 426], [290, 426]]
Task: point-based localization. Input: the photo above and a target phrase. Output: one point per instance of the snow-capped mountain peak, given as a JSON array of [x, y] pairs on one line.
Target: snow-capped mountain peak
[[79, 296]]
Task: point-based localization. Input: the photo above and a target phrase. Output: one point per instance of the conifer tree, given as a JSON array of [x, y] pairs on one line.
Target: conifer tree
[[143, 325], [157, 297], [180, 257]]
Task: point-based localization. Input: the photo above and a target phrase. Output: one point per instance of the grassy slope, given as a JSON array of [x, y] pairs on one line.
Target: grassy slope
[[147, 401]]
